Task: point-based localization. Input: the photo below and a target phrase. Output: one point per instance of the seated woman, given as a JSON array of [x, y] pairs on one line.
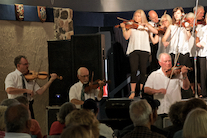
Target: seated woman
[[58, 126]]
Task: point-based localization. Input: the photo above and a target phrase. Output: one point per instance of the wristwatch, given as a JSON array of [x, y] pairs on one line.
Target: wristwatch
[[184, 78]]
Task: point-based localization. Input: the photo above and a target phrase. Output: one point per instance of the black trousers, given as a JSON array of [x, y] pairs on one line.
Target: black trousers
[[203, 74], [138, 60], [31, 108]]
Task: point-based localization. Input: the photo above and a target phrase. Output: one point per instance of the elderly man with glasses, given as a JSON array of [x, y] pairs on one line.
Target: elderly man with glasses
[[77, 93]]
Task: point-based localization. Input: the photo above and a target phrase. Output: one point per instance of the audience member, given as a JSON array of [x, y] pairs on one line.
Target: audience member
[[58, 126], [17, 122], [83, 117], [142, 117], [77, 131], [175, 114], [2, 124], [8, 102], [91, 105], [35, 127], [189, 106], [154, 105], [195, 124]]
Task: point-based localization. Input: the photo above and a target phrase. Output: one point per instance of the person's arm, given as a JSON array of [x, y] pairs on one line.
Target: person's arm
[[155, 39], [47, 85], [186, 82], [11, 90], [77, 102], [151, 91], [100, 94], [165, 37], [151, 29], [126, 33]]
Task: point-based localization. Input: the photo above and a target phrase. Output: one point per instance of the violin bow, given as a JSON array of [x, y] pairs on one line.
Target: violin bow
[[195, 55]]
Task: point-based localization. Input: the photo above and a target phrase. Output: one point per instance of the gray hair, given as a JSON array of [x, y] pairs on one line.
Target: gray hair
[[9, 102], [195, 124], [2, 112], [65, 109], [161, 54], [139, 112], [16, 117], [190, 15], [199, 7]]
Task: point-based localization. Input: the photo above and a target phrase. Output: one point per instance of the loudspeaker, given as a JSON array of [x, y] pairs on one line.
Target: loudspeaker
[[118, 108], [51, 116], [60, 56], [88, 52]]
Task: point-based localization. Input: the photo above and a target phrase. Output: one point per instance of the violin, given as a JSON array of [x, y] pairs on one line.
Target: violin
[[174, 71], [31, 75], [94, 85], [161, 31], [202, 22], [131, 24]]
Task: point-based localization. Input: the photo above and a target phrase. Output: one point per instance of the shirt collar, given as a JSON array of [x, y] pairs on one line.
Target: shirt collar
[[18, 72]]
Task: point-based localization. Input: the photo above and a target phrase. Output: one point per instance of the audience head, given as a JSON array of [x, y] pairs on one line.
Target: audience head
[[9, 102], [2, 112], [65, 109], [195, 124], [91, 105], [140, 112], [77, 131], [175, 113], [83, 75], [83, 117], [192, 104], [17, 119], [23, 100]]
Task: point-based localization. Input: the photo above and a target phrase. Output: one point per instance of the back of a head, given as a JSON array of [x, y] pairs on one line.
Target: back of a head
[[91, 104], [65, 109], [22, 99], [83, 117], [77, 131], [140, 112], [195, 124], [2, 112], [192, 104], [16, 117], [9, 102], [175, 113]]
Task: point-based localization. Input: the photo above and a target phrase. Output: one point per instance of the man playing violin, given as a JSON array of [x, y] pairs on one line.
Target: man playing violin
[[77, 94], [154, 21], [16, 84], [166, 90], [201, 52]]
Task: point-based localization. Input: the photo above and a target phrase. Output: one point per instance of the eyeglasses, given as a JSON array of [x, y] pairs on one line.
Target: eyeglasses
[[164, 21], [25, 64], [84, 76]]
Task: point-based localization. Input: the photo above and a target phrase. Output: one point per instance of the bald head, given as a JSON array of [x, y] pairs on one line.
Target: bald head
[[83, 75], [153, 16]]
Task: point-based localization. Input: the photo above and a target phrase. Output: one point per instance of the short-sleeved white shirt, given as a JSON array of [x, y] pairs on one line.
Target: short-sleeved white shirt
[[179, 42], [75, 93], [139, 40], [158, 80], [202, 35], [14, 80]]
